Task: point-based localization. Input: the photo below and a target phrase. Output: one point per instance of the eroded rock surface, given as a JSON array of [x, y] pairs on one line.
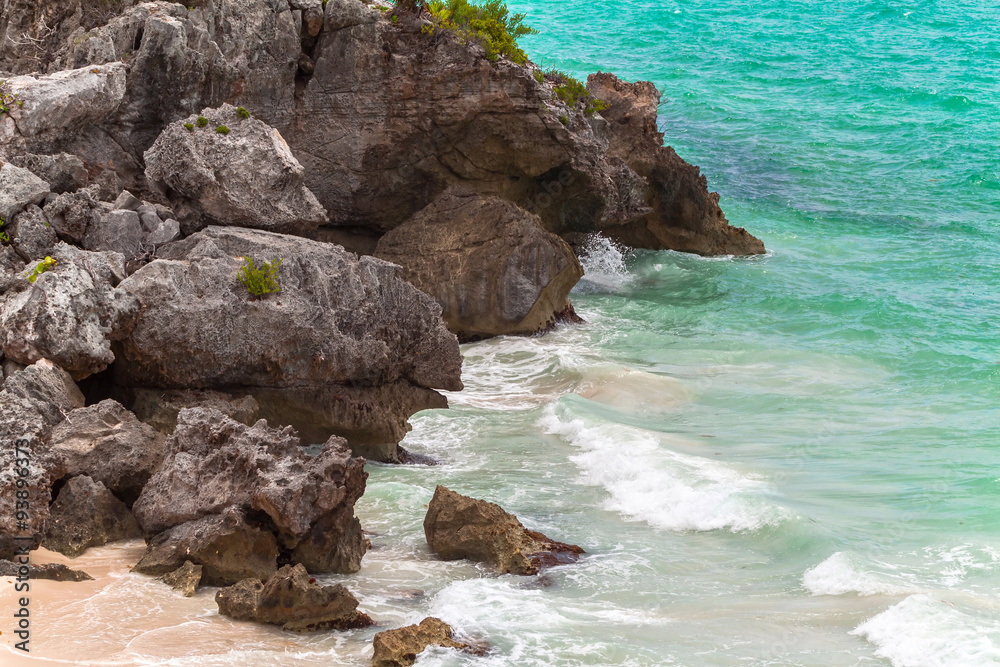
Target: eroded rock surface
[[489, 264], [214, 464], [399, 647], [86, 514], [458, 526], [184, 579], [293, 600], [232, 171], [70, 314]]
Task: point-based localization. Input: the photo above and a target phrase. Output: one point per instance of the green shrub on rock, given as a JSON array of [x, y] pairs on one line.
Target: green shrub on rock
[[222, 129], [260, 280], [40, 268], [242, 113], [573, 92], [4, 237], [202, 121], [189, 127], [490, 23]]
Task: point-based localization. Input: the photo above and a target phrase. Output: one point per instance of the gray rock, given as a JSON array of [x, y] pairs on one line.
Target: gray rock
[[166, 231], [159, 408], [116, 231], [70, 314], [62, 171], [488, 263], [338, 321], [107, 443], [84, 515], [127, 201], [19, 188], [226, 546], [11, 268], [67, 100], [33, 236], [293, 600], [247, 177], [184, 579], [71, 213], [50, 388], [213, 464], [149, 220]]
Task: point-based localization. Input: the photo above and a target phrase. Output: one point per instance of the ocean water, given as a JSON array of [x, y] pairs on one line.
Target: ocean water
[[786, 460]]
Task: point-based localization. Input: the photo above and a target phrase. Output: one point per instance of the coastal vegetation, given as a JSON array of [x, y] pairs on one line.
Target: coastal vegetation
[[490, 24], [260, 279]]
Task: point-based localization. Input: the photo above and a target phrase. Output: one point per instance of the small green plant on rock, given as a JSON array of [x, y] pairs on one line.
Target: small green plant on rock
[[242, 113], [8, 99], [573, 93], [564, 120], [4, 238], [539, 77], [260, 280], [202, 121], [40, 268], [189, 127], [222, 129]]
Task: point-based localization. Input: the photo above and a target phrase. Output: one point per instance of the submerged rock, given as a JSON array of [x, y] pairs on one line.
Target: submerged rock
[[457, 526], [399, 647], [293, 600], [84, 515], [488, 263], [226, 547], [184, 579], [347, 345], [214, 464], [232, 171], [107, 443]]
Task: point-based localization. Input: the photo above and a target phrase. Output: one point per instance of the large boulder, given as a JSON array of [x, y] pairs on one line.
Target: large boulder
[[85, 514], [106, 442], [50, 571], [68, 100], [70, 314], [226, 169], [31, 234], [458, 526], [226, 546], [488, 263], [32, 401], [399, 647], [293, 600], [214, 464], [341, 326]]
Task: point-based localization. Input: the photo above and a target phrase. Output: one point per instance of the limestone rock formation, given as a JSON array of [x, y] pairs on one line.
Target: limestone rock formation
[[159, 408], [293, 600], [225, 169], [19, 188], [32, 401], [214, 464], [458, 526], [106, 442], [31, 235], [354, 348], [226, 547], [84, 515], [70, 314], [488, 263], [184, 579], [399, 647]]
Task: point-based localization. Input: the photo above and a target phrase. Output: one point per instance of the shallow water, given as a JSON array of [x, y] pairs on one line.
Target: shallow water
[[786, 460]]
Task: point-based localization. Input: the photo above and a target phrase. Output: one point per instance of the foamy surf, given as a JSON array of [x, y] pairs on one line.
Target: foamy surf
[[839, 575], [604, 266], [647, 481], [922, 631]]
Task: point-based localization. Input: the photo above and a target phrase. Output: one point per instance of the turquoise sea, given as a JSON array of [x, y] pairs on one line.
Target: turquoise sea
[[786, 460]]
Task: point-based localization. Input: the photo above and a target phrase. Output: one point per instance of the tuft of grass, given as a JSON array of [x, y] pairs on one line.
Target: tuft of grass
[[242, 113], [539, 77], [574, 93], [222, 129], [40, 268], [202, 121], [189, 127], [489, 23], [260, 280], [4, 237], [564, 120]]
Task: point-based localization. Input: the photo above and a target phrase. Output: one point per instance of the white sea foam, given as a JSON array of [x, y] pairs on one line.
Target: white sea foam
[[646, 481], [839, 574], [922, 631], [604, 266]]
